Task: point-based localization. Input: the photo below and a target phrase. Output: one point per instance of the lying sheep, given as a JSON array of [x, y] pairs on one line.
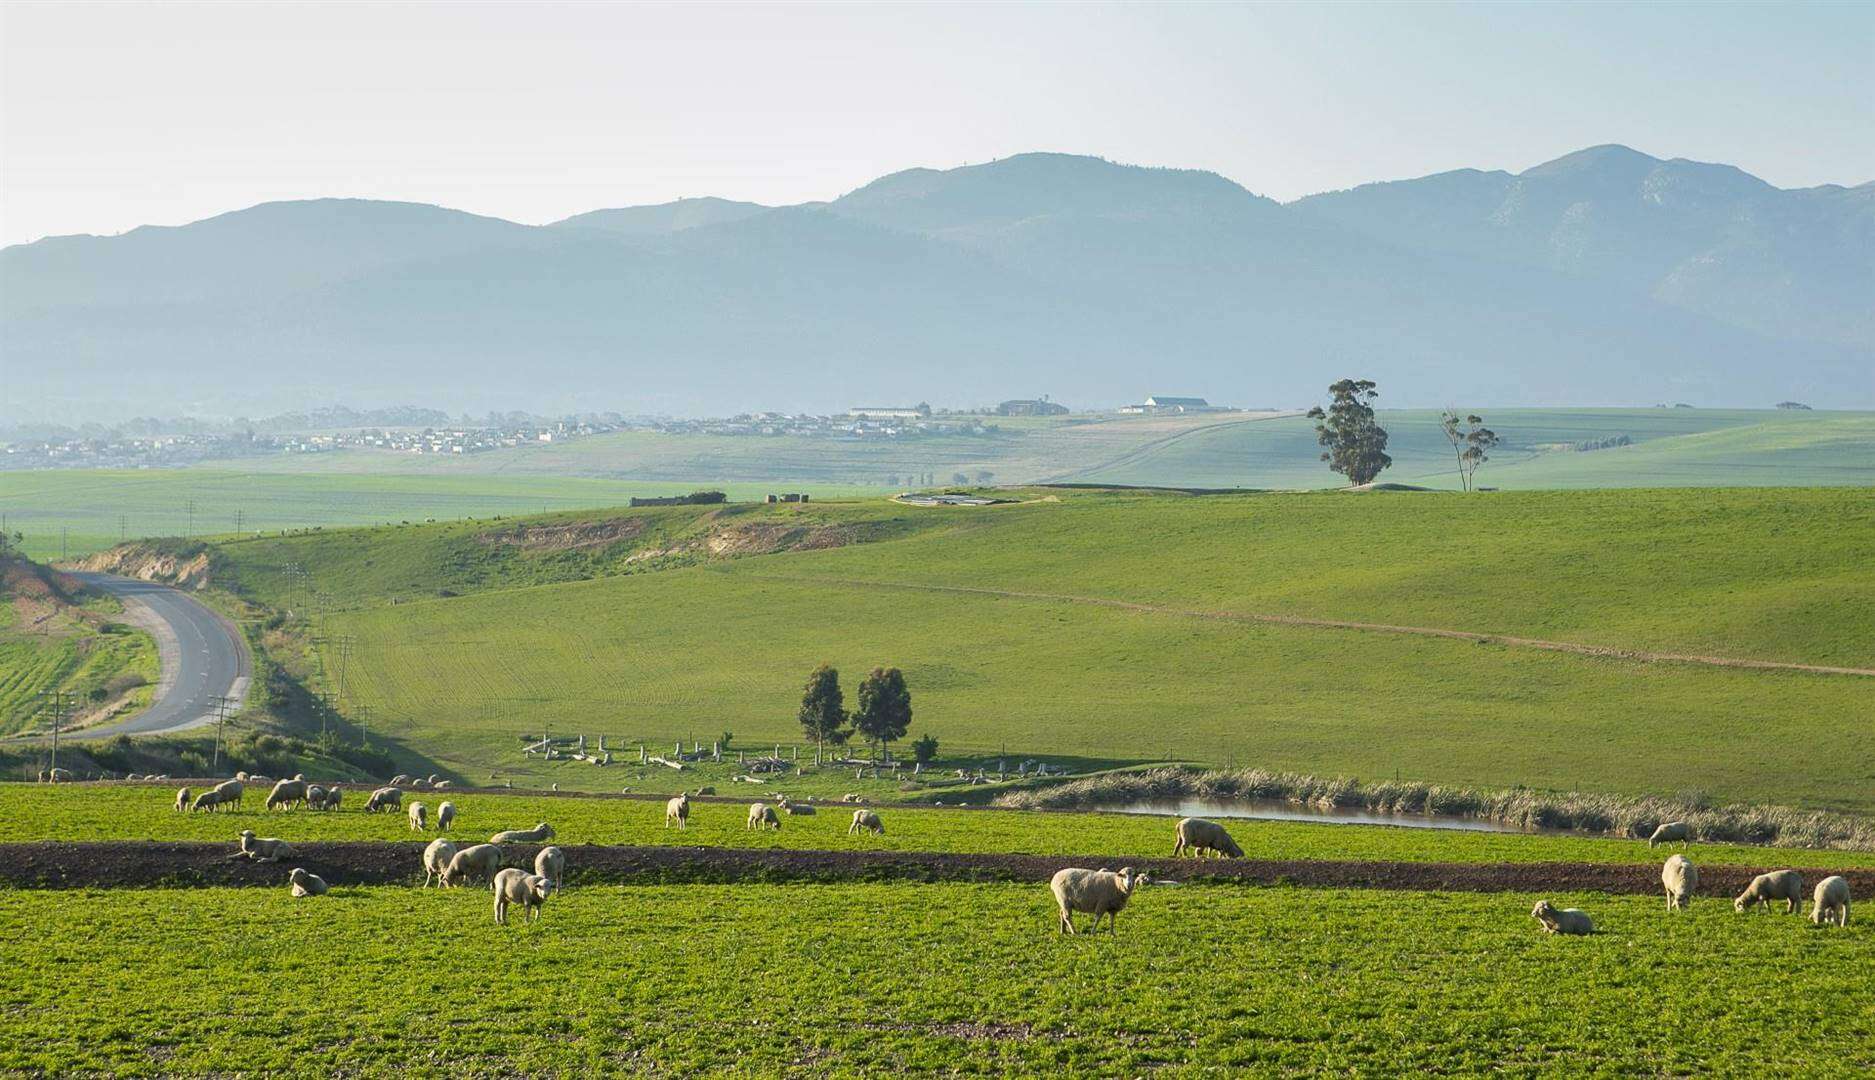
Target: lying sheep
[[421, 785], [1680, 878], [677, 810], [419, 816], [384, 798], [851, 797], [800, 809], [479, 861], [1100, 892], [551, 864], [286, 793], [399, 780], [1785, 885], [182, 798], [1831, 902], [866, 819], [264, 848], [539, 834], [520, 887], [436, 858], [1562, 920], [445, 785], [1668, 833], [761, 816], [1198, 836], [305, 884], [445, 816]]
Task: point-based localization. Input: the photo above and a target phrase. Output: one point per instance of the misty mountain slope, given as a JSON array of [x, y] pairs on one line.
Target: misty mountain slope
[[664, 218]]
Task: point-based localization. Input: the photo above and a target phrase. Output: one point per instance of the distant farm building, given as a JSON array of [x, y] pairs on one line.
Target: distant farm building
[[788, 497], [1031, 407], [1160, 403], [889, 412]]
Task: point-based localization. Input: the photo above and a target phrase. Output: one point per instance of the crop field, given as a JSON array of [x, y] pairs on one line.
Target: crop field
[[53, 642]]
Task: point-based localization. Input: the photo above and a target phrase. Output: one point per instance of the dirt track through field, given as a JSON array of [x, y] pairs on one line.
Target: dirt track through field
[[147, 863], [1599, 651]]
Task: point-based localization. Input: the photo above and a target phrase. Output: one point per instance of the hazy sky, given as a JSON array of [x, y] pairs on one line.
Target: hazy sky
[[115, 115]]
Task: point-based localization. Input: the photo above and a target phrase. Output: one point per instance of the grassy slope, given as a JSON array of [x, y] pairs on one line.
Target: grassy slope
[[50, 642]]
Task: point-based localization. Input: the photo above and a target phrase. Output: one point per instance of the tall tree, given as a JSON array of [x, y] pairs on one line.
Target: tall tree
[[1356, 445], [1470, 441], [884, 711], [823, 709]]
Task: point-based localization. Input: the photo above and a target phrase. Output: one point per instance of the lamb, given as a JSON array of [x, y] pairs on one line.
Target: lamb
[[286, 793], [1668, 833], [1680, 878], [1831, 902], [539, 834], [436, 861], [305, 884], [383, 799], [551, 864], [332, 798], [520, 887], [445, 816], [1199, 836], [1785, 885], [419, 817], [761, 816], [677, 810], [866, 819], [315, 797], [1101, 892], [479, 861], [264, 848], [1562, 920], [182, 798]]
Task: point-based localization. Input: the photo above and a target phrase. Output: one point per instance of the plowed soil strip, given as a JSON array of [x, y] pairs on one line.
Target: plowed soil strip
[[148, 863]]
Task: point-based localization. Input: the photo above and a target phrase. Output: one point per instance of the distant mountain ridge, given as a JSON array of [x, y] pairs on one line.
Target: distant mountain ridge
[[1605, 276]]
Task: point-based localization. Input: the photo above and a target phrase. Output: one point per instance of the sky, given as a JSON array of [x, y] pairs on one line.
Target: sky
[[123, 114]]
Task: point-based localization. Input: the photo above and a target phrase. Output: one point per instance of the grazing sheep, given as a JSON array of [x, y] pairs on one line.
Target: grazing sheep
[[1785, 885], [286, 793], [399, 780], [384, 798], [1198, 836], [551, 864], [677, 810], [539, 834], [182, 798], [436, 861], [444, 785], [315, 797], [1562, 920], [229, 793], [264, 848], [332, 798], [761, 816], [1680, 878], [305, 884], [520, 887], [1668, 833], [421, 785], [1831, 902], [445, 816], [207, 800], [419, 817], [1099, 892], [479, 861], [866, 819]]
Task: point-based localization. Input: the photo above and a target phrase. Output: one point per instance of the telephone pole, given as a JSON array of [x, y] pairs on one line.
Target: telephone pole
[[191, 533], [63, 704], [222, 705]]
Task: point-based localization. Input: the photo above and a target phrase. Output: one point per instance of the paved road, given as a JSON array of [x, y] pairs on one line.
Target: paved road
[[203, 657]]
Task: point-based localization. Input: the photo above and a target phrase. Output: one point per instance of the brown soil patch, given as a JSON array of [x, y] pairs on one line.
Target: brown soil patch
[[137, 561], [767, 539], [578, 535]]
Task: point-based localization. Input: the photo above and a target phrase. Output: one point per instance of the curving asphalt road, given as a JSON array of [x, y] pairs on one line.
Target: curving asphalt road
[[203, 657]]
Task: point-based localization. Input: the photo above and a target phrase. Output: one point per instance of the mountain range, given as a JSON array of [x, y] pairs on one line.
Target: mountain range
[[1603, 277]]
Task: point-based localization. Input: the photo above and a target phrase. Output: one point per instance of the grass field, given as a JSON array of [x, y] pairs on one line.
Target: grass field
[[51, 642], [817, 980]]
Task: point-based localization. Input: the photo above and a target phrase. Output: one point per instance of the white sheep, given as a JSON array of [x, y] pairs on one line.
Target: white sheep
[[520, 887], [400, 780], [419, 815], [436, 861], [866, 819], [1198, 836], [799, 809], [1100, 892], [539, 834], [551, 864], [1680, 878], [1557, 920], [183, 798], [207, 800], [761, 816], [315, 797], [677, 810], [333, 795], [444, 785], [851, 797], [229, 793], [264, 848], [445, 816], [479, 861], [384, 798], [305, 884], [1831, 902], [1668, 833], [1785, 885]]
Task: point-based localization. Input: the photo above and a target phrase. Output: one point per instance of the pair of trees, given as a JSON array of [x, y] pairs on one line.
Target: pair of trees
[[1356, 445], [882, 715]]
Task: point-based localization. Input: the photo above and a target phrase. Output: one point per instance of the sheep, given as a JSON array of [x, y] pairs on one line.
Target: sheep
[[539, 834], [305, 884], [183, 798], [419, 817], [479, 861], [1785, 885], [1199, 836], [551, 864], [866, 819], [421, 785], [1562, 920], [207, 800], [399, 780], [230, 792], [798, 808], [1100, 892], [332, 798], [520, 887], [1680, 878], [286, 793], [383, 799], [264, 848], [677, 810], [300, 776], [435, 779], [444, 785], [315, 797], [851, 797], [761, 816], [436, 861], [705, 790], [1668, 833], [1831, 902], [445, 816]]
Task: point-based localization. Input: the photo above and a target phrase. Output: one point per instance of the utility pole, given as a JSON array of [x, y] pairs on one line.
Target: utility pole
[[222, 705], [63, 703], [237, 522], [191, 533], [123, 528], [64, 535], [364, 725]]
